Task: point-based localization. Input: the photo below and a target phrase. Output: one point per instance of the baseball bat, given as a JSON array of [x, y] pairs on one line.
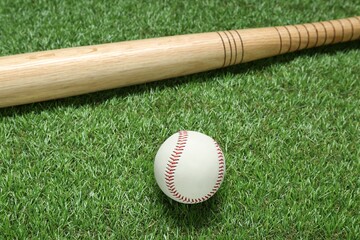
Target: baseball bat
[[39, 76]]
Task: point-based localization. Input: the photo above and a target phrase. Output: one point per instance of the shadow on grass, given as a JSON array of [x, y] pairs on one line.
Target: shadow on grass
[[191, 216], [97, 98]]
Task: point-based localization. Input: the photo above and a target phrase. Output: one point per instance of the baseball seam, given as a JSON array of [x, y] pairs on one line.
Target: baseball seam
[[173, 162]]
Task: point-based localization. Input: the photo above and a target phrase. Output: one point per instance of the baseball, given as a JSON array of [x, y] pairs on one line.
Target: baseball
[[189, 167]]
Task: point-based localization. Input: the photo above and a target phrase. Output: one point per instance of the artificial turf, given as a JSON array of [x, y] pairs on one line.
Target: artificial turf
[[289, 126]]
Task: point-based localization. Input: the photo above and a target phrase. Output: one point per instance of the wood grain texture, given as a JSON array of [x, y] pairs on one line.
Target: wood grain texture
[[40, 76]]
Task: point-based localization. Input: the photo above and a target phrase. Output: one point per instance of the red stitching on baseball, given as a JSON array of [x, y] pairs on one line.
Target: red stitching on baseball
[[174, 158], [172, 164], [221, 167]]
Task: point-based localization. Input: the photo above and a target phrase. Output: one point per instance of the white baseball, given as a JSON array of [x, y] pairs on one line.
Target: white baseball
[[189, 167]]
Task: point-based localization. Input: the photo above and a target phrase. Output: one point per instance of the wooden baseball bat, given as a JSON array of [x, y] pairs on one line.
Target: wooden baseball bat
[[40, 76]]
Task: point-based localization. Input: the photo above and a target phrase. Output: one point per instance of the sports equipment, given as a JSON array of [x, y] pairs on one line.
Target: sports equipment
[[41, 76], [189, 167]]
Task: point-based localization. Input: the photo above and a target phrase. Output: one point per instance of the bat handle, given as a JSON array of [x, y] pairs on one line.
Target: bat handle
[[251, 44], [297, 37]]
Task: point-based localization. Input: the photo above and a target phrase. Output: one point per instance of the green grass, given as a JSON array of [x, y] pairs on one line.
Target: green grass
[[82, 167]]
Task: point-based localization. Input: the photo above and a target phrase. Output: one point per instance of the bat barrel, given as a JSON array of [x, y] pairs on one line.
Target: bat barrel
[[39, 76]]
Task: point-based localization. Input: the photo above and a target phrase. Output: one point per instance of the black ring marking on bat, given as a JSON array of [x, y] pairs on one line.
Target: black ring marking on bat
[[342, 31], [317, 35], [333, 40], [299, 38], [231, 51], [279, 39], [326, 35], [308, 38], [289, 37], [352, 29], [222, 40], [242, 47], [236, 52]]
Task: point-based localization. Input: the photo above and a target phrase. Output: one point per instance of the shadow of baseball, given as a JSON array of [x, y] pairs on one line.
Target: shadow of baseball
[[187, 217]]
